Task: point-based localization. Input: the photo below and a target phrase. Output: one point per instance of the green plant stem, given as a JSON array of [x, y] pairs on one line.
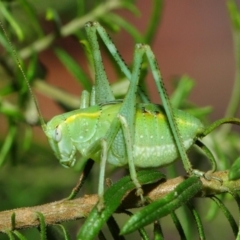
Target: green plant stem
[[235, 96]]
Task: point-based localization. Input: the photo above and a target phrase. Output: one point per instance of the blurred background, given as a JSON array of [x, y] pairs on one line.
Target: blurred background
[[193, 38]]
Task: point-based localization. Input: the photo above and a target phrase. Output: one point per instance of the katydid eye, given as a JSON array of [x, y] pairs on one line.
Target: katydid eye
[[57, 134]]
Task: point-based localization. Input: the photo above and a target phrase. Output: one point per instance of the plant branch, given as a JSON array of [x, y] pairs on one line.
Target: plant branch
[[66, 210]]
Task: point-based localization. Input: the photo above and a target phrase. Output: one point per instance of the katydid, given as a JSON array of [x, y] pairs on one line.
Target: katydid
[[125, 132]]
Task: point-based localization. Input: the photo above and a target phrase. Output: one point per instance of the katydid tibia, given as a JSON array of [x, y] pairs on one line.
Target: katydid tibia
[[125, 133]]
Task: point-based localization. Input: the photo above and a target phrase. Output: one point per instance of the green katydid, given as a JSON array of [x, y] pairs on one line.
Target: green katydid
[[125, 133]]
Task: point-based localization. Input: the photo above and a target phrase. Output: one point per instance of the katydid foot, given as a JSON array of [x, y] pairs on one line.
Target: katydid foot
[[206, 175], [100, 204], [139, 193]]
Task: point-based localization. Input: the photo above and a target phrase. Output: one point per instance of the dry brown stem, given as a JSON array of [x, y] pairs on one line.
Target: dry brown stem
[[66, 210]]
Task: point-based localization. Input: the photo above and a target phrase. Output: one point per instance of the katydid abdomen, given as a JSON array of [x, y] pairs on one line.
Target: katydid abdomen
[[153, 146]]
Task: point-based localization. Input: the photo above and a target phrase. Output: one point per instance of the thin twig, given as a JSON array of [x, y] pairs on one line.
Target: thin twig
[[66, 210]]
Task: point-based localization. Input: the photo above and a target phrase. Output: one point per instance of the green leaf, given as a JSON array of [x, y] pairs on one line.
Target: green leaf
[[182, 90], [7, 145], [7, 15], [112, 199], [19, 235], [124, 24], [156, 15], [234, 14], [57, 232], [200, 112], [114, 228], [227, 214], [143, 234], [158, 234], [74, 68], [164, 206], [131, 6], [197, 220], [178, 225], [10, 235], [32, 16], [43, 229], [52, 15], [234, 172]]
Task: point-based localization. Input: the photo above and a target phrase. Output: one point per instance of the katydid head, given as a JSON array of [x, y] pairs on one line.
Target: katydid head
[[60, 141]]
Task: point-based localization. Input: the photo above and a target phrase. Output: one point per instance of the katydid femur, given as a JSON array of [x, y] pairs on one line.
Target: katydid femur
[[126, 132]]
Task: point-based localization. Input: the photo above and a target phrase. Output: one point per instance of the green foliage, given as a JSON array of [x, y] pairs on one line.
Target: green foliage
[[30, 175], [113, 197], [234, 172], [162, 207]]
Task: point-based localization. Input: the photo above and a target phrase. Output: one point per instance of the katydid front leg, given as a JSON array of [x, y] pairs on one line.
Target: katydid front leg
[[128, 111]]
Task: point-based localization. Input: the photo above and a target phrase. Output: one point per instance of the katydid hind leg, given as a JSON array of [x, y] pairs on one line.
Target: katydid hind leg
[[172, 121], [168, 108], [128, 108], [103, 91], [117, 57]]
